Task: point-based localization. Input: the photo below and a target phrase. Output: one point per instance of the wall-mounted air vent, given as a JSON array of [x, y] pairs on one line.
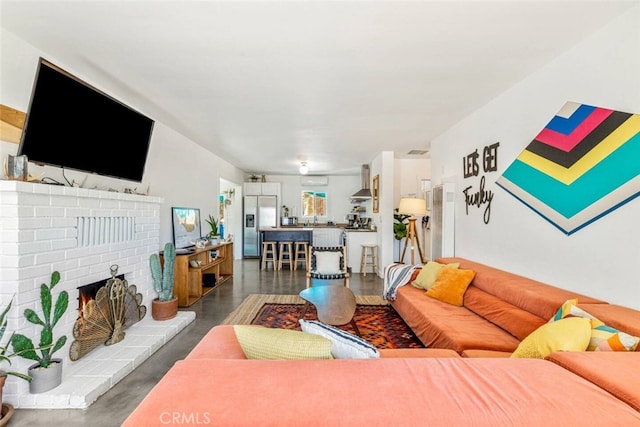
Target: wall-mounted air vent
[[313, 181]]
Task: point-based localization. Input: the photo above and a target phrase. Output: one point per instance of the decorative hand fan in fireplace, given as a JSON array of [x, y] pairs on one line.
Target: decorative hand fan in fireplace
[[116, 306]]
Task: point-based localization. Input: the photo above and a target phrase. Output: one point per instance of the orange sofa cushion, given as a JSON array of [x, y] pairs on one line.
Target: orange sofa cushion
[[486, 353], [530, 295], [619, 317], [518, 322], [221, 343], [450, 285], [416, 352], [377, 392], [441, 325], [615, 372]]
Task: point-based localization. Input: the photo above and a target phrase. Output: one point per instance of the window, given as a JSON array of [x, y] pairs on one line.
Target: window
[[314, 203]]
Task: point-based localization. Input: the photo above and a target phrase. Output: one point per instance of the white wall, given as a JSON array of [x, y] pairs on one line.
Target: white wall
[[408, 176], [233, 215], [384, 165], [601, 259], [339, 191], [177, 169]]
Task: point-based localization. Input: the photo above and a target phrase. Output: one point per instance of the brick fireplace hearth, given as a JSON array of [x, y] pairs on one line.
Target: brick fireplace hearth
[[80, 233]]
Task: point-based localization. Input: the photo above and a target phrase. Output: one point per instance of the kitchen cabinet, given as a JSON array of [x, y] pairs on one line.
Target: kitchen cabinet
[[261, 189]]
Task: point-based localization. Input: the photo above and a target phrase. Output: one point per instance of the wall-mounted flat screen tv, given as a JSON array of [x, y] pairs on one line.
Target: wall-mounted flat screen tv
[[186, 226], [71, 124]]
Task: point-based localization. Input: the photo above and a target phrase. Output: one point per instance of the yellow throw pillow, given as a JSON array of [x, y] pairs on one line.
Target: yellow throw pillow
[[428, 274], [259, 342], [451, 284], [570, 334]]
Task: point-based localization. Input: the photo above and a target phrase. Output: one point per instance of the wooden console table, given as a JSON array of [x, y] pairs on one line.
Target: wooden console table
[[189, 285]]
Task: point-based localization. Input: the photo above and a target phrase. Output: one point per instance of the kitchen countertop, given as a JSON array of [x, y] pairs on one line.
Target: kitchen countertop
[[303, 228], [287, 228]]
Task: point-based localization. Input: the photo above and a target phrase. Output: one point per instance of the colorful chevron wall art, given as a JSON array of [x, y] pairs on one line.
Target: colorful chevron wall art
[[584, 164]]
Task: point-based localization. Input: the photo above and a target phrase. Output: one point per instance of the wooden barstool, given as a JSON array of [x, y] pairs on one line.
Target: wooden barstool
[[285, 254], [369, 258], [269, 255], [301, 254]]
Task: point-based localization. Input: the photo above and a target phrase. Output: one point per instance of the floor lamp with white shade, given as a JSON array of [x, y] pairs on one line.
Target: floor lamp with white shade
[[414, 207]]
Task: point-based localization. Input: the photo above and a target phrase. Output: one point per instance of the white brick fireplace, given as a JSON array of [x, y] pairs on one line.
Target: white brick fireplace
[[80, 233]]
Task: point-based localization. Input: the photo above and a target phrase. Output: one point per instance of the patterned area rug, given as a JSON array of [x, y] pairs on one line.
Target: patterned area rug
[[377, 321]]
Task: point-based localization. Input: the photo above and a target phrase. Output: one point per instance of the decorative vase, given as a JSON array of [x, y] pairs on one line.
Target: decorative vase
[[44, 379], [164, 310], [5, 416]]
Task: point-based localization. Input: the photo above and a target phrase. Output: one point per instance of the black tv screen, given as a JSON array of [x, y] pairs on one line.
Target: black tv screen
[[72, 125]]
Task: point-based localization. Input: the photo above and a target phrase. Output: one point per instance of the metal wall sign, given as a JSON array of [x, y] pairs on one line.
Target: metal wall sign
[[479, 196], [580, 167]]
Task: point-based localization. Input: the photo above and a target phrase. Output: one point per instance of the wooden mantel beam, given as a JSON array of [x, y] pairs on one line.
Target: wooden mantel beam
[[11, 124]]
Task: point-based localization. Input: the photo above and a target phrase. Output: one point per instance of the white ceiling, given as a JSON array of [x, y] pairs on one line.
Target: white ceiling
[[267, 84]]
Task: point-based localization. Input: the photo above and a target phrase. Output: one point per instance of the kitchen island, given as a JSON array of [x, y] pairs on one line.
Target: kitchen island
[[317, 235], [324, 235], [286, 234]]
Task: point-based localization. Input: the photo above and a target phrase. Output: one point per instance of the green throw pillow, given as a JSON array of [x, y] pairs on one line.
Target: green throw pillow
[[428, 274], [259, 342]]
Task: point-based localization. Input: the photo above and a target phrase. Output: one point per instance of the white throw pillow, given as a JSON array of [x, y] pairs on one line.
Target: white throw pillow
[[343, 344], [328, 262]]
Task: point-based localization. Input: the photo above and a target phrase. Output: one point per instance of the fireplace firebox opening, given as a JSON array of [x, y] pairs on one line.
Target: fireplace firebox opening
[[88, 292]]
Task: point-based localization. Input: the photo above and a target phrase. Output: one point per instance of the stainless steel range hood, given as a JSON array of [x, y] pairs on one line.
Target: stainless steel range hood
[[364, 193]]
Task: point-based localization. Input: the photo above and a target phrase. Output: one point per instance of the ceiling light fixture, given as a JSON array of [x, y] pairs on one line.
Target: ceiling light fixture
[[304, 169]]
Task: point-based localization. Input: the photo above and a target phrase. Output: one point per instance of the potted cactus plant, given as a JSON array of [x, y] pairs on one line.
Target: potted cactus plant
[[165, 306], [5, 362], [47, 372]]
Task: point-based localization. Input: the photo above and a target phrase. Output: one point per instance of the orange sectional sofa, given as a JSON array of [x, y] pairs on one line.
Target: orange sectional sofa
[[377, 392], [216, 385], [499, 310]]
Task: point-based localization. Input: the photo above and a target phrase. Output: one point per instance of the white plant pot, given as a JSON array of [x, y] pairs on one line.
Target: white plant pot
[[214, 241], [45, 379]]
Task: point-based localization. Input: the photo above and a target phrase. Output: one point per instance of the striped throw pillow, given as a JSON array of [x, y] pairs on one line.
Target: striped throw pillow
[[603, 337], [343, 344]]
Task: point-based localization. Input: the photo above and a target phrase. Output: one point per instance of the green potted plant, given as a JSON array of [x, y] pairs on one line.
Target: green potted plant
[[399, 226], [164, 307], [5, 362], [214, 234], [47, 372]]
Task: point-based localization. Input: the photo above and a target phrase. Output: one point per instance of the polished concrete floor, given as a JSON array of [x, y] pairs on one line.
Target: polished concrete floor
[[114, 406]]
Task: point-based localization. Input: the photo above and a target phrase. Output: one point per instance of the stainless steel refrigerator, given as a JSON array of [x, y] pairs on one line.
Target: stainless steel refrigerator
[[259, 212]]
